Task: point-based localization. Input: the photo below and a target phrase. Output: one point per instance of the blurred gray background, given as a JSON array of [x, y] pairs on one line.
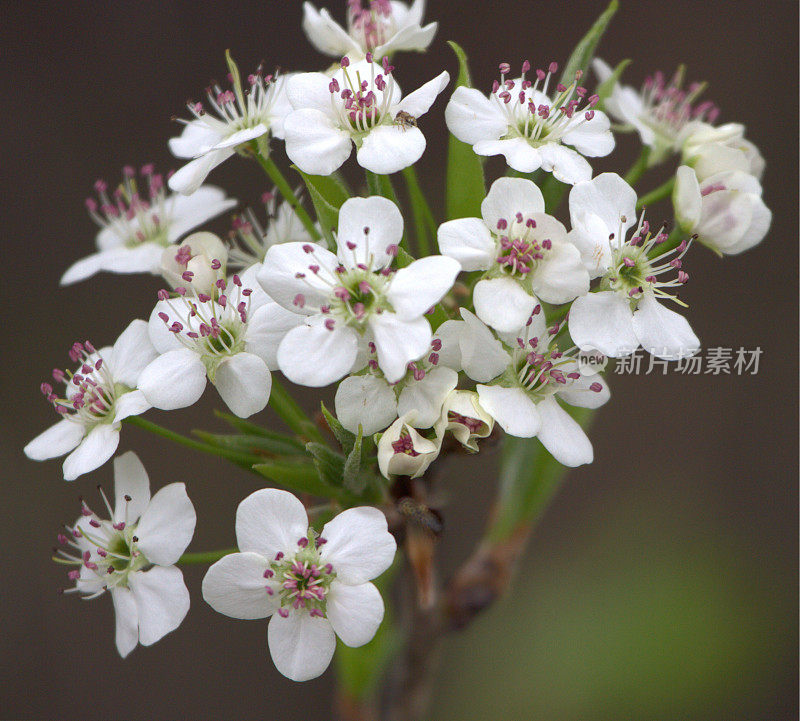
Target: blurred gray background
[[662, 582]]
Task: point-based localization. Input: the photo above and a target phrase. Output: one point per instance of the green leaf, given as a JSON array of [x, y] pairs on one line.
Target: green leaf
[[584, 51], [327, 193], [424, 223], [529, 476], [607, 86], [298, 477], [257, 445], [403, 258], [465, 184], [346, 438], [353, 478], [329, 463]]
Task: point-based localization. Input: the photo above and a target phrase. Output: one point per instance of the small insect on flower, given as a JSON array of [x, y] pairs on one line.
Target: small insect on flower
[[405, 120]]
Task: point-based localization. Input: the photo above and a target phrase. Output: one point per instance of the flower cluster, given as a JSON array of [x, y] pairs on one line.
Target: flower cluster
[[508, 327]]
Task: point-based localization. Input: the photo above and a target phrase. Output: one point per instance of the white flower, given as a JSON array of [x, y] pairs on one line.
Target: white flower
[[202, 254], [661, 112], [521, 121], [137, 223], [403, 451], [711, 150], [237, 117], [348, 299], [524, 252], [724, 210], [599, 209], [369, 401], [382, 28], [132, 554], [625, 311], [252, 240], [529, 376], [314, 587], [99, 395], [360, 105], [465, 418], [229, 338]]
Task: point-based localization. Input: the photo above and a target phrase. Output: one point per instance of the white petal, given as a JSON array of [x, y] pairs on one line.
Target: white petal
[[663, 332], [311, 355], [483, 357], [241, 136], [472, 117], [512, 409], [419, 102], [562, 436], [503, 304], [355, 612], [390, 148], [301, 645], [686, 198], [385, 223], [399, 342], [244, 382], [266, 329], [359, 545], [608, 197], [57, 440], [592, 138], [191, 176], [175, 379], [509, 196], [133, 403], [278, 276], [425, 398], [127, 620], [760, 220], [567, 165], [469, 241], [561, 276], [270, 521], [143, 258], [325, 34], [190, 211], [132, 352], [421, 285], [130, 479], [367, 401], [411, 37], [197, 138], [314, 142], [167, 525], [162, 600], [235, 586], [519, 154], [604, 322], [449, 333], [578, 393], [92, 452]]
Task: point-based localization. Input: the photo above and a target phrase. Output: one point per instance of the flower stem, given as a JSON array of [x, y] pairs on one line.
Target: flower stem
[[292, 414], [275, 175], [661, 192], [243, 459], [638, 169], [191, 559]]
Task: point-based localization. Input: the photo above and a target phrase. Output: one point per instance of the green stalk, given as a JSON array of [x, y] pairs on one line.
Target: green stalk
[[244, 459], [197, 559], [275, 175], [639, 167], [661, 192], [292, 414]]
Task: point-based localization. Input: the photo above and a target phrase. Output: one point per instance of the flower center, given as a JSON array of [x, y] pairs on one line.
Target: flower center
[[214, 328], [90, 391], [633, 273], [530, 112], [363, 103], [103, 555], [135, 212], [371, 26], [518, 248], [301, 581]]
